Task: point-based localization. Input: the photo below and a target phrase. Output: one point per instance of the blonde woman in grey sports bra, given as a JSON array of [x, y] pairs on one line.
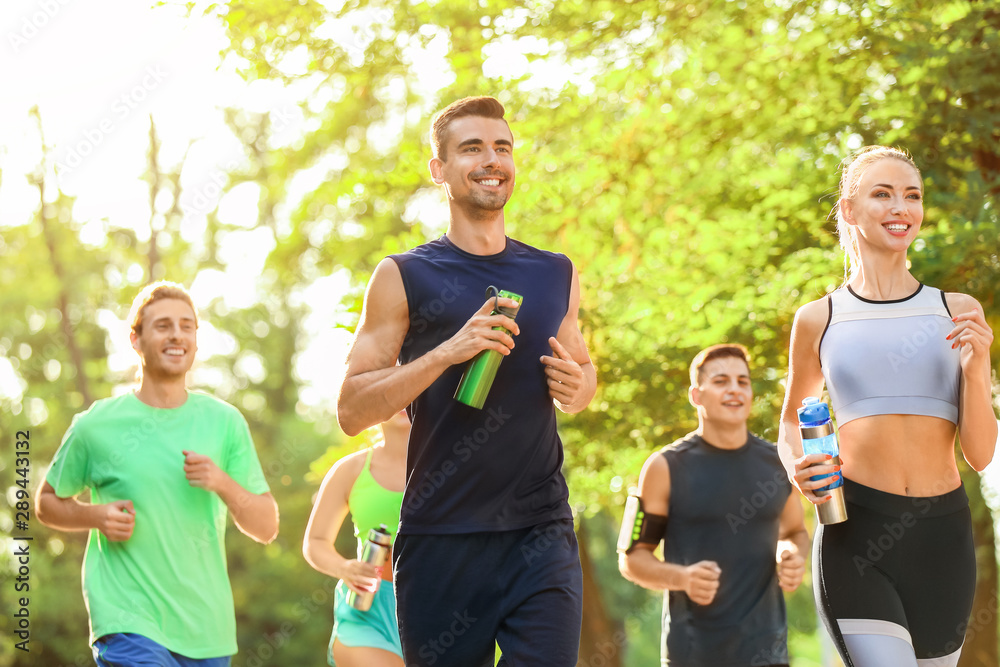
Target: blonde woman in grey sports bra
[[907, 367]]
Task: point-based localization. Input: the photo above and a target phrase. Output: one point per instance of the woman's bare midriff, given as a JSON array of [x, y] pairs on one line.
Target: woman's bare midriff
[[908, 455]]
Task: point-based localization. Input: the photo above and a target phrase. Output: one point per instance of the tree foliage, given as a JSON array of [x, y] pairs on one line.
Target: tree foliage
[[684, 155]]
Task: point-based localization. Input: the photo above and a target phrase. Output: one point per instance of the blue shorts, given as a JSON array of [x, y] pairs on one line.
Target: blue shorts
[[125, 649], [461, 596], [375, 628]]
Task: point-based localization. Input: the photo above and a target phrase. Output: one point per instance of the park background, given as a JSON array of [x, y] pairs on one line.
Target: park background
[[268, 153]]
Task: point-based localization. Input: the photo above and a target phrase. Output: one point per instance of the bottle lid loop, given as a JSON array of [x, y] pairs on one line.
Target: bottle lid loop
[[496, 297]]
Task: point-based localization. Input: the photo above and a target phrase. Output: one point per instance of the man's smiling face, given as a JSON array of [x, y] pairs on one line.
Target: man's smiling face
[[478, 169], [168, 339], [724, 393]]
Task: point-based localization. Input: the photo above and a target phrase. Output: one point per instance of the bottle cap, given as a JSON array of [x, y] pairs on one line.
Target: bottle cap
[[380, 535], [813, 411], [506, 310]]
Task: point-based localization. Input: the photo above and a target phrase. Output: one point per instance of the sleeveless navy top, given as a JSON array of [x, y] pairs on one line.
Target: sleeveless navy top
[[725, 506], [498, 468]]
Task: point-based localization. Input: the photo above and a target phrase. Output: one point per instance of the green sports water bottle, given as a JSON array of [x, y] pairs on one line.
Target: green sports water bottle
[[479, 374]]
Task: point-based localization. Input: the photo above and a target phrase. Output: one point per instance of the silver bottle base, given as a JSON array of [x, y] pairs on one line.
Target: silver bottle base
[[833, 510], [360, 602]]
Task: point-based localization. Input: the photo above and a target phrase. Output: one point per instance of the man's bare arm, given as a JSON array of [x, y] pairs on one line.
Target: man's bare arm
[[571, 375], [700, 581], [375, 388], [115, 520]]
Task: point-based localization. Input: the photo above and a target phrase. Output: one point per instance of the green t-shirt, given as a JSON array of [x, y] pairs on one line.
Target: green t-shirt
[[169, 581]]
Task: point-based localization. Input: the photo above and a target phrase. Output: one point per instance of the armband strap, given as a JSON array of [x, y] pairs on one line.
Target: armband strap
[[638, 526]]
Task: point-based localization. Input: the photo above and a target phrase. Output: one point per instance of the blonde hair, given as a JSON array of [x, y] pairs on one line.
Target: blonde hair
[[155, 292], [852, 169]]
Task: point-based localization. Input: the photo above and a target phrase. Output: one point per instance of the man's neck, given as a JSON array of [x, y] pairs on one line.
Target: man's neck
[[158, 394], [723, 436], [483, 237]]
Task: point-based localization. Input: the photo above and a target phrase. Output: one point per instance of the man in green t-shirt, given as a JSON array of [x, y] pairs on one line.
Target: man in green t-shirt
[[163, 466]]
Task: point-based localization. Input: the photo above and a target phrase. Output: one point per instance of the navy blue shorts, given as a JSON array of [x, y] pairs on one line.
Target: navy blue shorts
[[125, 649], [457, 596]]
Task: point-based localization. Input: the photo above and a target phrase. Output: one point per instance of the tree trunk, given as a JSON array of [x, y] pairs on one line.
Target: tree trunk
[[50, 235], [153, 258], [602, 642]]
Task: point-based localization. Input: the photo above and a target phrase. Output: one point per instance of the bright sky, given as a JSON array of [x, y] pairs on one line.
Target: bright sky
[[97, 76], [97, 72]]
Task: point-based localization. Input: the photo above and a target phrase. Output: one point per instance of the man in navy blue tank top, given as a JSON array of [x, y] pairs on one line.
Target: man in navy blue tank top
[[733, 532], [485, 554]]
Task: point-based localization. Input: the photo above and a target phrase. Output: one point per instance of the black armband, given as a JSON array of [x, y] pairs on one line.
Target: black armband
[[638, 526]]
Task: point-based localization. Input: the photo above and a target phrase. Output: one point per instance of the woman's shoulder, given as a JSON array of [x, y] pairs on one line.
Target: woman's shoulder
[[815, 314], [959, 302], [349, 467]]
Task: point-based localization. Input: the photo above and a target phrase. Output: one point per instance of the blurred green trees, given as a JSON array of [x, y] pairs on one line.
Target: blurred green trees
[[685, 155]]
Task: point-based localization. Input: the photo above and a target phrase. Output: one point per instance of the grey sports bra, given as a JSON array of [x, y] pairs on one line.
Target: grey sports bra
[[890, 357]]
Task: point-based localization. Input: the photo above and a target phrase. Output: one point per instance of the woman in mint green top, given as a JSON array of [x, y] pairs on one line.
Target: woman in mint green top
[[369, 485]]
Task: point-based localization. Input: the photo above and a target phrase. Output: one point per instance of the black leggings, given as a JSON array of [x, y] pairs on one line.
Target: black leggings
[[898, 566]]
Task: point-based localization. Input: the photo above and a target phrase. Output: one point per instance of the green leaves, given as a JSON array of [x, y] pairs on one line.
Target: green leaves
[[684, 155], [686, 161]]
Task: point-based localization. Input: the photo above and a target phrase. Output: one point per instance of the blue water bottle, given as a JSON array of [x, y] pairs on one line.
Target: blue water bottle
[[819, 437]]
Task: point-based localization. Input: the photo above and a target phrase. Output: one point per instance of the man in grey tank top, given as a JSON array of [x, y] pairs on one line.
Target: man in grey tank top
[[733, 533]]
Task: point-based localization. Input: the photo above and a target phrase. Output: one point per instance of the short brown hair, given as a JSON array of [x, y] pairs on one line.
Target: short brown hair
[[720, 351], [484, 107], [154, 292]]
